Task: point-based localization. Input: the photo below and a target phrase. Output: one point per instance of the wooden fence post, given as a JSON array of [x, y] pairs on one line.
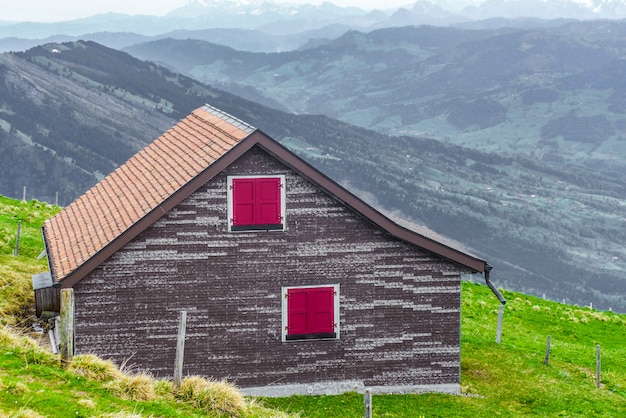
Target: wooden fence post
[[367, 401], [67, 326], [547, 358], [180, 349], [16, 252], [598, 365], [499, 327]]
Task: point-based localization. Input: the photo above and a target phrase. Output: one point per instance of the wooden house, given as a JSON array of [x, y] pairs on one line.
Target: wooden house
[[291, 284]]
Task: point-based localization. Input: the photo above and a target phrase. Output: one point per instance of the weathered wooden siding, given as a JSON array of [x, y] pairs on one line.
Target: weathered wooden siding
[[47, 299], [400, 306]]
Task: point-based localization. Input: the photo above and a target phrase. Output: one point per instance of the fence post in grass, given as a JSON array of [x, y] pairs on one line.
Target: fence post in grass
[[598, 365], [67, 326], [16, 252], [180, 349], [367, 401], [547, 358], [499, 327]]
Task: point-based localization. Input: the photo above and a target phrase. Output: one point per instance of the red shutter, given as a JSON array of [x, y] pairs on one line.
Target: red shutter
[[257, 201], [268, 200], [311, 312], [322, 315], [298, 311], [243, 201]]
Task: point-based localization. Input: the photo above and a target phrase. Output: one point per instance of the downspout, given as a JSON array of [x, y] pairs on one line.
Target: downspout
[[495, 291]]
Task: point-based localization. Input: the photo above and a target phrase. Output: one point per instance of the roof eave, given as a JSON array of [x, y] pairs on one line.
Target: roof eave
[[271, 146], [158, 212], [348, 198]]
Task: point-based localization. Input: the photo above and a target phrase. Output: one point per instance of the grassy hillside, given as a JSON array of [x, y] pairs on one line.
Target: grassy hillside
[[16, 295], [507, 379]]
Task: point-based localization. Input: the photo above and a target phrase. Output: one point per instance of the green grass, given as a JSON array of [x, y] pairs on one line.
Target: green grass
[[32, 384], [510, 379], [507, 379], [16, 294]]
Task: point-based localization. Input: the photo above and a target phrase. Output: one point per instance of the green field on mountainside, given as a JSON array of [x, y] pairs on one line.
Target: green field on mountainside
[[506, 379]]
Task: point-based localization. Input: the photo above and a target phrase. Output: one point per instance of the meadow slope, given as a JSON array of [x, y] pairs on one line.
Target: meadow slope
[[506, 379]]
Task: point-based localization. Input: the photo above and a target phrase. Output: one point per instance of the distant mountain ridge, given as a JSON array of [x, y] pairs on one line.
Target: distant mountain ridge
[[554, 94], [285, 19], [69, 113]]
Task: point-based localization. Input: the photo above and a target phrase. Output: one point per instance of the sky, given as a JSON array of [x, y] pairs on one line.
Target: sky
[[57, 10]]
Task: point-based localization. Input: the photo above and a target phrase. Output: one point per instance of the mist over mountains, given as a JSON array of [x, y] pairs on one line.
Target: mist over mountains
[[281, 20]]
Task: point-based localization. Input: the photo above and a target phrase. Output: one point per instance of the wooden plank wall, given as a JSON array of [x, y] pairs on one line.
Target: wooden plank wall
[[399, 306], [47, 299]]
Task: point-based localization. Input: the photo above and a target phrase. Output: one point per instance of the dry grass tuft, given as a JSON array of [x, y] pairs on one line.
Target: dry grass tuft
[[260, 410], [190, 387], [164, 388], [17, 298], [92, 367], [27, 348], [212, 396], [121, 414], [87, 403], [137, 387], [225, 397], [17, 388], [23, 413], [9, 339]]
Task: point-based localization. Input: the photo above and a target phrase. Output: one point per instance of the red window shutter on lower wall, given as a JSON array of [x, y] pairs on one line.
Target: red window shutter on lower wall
[[322, 310], [311, 312], [257, 201], [298, 311]]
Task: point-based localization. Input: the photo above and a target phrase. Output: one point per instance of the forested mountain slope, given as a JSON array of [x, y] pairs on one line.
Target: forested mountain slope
[[555, 94], [72, 112]]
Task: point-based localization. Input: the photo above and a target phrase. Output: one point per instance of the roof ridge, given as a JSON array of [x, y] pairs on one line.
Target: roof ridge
[[227, 117]]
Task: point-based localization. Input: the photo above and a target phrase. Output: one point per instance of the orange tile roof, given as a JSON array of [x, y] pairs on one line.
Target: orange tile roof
[[138, 187], [160, 176]]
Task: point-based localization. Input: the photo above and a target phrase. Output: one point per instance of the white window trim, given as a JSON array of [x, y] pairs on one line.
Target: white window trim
[[229, 198], [285, 289]]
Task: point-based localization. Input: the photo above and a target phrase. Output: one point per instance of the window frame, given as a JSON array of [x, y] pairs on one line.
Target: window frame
[[309, 337], [256, 227]]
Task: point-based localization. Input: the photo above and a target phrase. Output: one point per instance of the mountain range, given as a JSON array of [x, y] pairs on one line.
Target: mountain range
[[276, 24], [71, 112], [554, 94]]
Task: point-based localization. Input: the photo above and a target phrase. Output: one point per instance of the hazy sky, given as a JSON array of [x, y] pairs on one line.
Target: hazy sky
[[55, 10]]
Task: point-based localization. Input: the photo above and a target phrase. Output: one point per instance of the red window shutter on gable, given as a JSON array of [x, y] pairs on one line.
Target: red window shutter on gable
[[243, 201], [257, 201], [268, 200], [311, 311]]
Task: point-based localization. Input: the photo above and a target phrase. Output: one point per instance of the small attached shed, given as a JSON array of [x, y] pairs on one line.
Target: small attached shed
[[291, 284]]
